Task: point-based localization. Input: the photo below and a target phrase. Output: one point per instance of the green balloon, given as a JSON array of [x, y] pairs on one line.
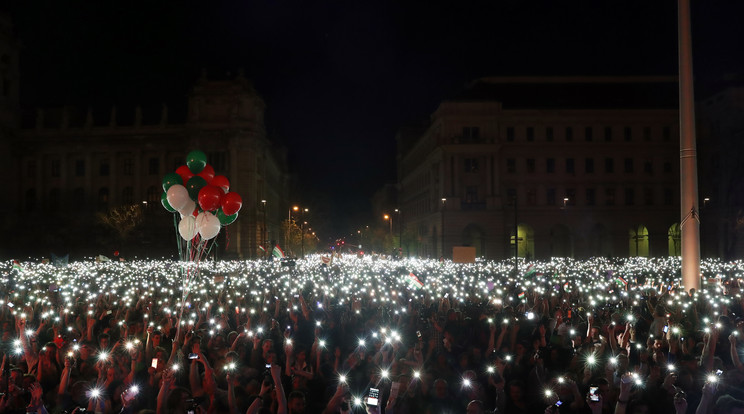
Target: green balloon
[[196, 161], [171, 179], [225, 219], [166, 204], [194, 185]]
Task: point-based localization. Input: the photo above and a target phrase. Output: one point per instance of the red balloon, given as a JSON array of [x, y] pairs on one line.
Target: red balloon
[[207, 174], [210, 197], [231, 203], [185, 173], [222, 182]]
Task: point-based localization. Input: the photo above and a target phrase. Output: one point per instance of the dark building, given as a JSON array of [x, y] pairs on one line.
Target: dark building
[[65, 166], [576, 167]]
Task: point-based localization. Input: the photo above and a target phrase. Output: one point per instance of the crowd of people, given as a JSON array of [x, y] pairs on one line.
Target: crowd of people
[[362, 335]]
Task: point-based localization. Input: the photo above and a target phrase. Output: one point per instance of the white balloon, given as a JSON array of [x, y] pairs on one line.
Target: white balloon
[[177, 196], [187, 228], [208, 225], [188, 209]]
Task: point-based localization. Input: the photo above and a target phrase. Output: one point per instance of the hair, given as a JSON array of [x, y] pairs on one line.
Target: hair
[[295, 395], [726, 403]]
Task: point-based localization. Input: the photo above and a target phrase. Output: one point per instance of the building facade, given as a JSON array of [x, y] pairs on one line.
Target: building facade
[[63, 166], [576, 167]]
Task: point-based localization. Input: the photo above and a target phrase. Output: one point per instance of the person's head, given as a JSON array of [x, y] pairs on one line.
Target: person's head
[[638, 407], [727, 404], [441, 388], [516, 390], [267, 345], [86, 350], [156, 338], [104, 341], [475, 407], [296, 402]]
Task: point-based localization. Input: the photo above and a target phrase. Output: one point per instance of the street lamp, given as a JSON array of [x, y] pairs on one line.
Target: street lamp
[[400, 232], [264, 233], [444, 202]]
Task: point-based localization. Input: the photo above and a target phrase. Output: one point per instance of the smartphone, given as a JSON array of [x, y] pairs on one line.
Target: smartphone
[[373, 397], [719, 372], [268, 366], [558, 403], [11, 305], [418, 334], [109, 312], [666, 328], [569, 314], [594, 394], [193, 356], [154, 363]]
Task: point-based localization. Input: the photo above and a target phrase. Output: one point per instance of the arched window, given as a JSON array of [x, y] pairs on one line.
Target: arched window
[[127, 195], [30, 199], [53, 200], [675, 240], [638, 240], [561, 242], [153, 195], [525, 241], [103, 198]]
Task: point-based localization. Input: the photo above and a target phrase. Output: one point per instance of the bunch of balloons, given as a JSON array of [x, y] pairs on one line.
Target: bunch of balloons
[[203, 199]]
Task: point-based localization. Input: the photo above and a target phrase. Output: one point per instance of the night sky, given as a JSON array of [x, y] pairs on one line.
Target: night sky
[[340, 77]]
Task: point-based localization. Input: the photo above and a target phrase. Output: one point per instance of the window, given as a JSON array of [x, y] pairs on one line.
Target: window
[[627, 133], [511, 165], [569, 134], [588, 134], [510, 134], [531, 196], [54, 199], [550, 197], [530, 134], [629, 197], [589, 165], [127, 166], [56, 168], [590, 196], [667, 167], [647, 133], [127, 195], [103, 198], [608, 134], [629, 165], [609, 165], [666, 133], [153, 195], [549, 134], [153, 166], [550, 165], [31, 169], [571, 196], [668, 197], [79, 168], [570, 165], [471, 194], [648, 167], [531, 165], [471, 165], [610, 196], [103, 168], [30, 199], [470, 134], [218, 159], [648, 196]]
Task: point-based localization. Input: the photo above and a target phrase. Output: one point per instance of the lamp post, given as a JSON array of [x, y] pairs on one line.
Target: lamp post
[[264, 233], [400, 231], [444, 202], [289, 225]]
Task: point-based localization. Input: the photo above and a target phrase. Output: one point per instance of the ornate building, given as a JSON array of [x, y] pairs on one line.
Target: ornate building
[[64, 165], [576, 167]]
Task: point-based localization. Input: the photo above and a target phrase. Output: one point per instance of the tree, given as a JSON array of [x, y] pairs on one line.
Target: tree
[[122, 220]]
